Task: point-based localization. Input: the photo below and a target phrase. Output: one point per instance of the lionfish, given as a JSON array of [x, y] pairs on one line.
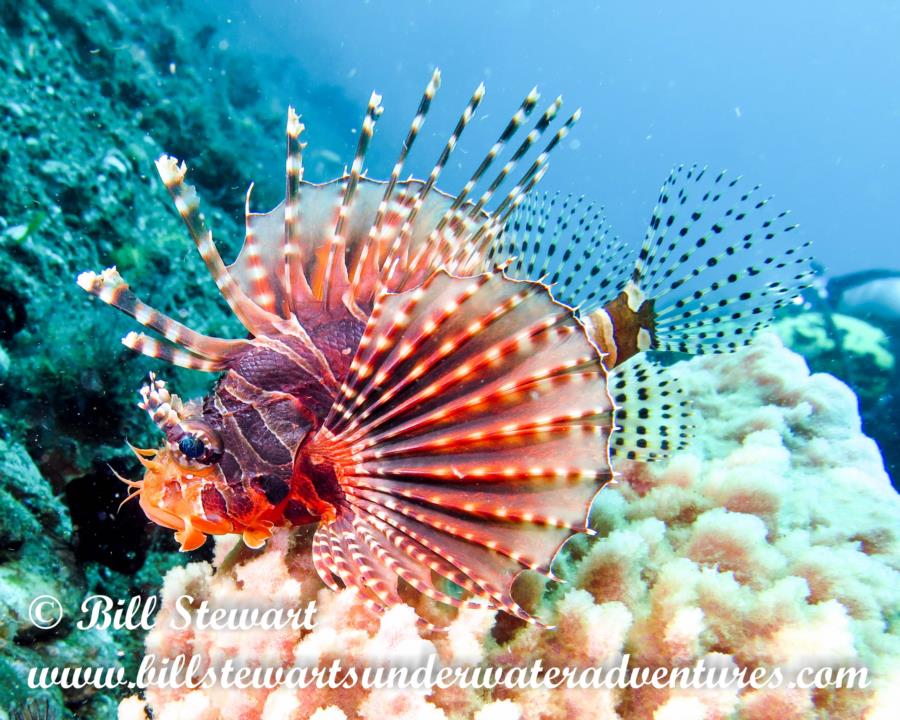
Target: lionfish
[[438, 385]]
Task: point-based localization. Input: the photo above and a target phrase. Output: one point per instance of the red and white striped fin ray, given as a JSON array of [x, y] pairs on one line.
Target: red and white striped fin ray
[[489, 573], [470, 257], [398, 255], [113, 290], [251, 315], [379, 341], [261, 289], [475, 451], [323, 560], [445, 385], [367, 260], [524, 147], [358, 236], [295, 283], [405, 213], [336, 279], [151, 347], [372, 545], [432, 248]]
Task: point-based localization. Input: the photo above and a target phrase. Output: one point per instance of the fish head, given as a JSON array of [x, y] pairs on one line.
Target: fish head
[[171, 494], [207, 479], [184, 487]]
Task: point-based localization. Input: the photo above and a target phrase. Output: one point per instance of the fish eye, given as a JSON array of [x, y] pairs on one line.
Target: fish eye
[[200, 442], [191, 447]]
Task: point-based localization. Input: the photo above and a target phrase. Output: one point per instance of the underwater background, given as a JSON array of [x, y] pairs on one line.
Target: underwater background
[[802, 97]]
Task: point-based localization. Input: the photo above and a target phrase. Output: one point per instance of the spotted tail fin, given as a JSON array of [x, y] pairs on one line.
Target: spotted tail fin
[[717, 261], [715, 265]]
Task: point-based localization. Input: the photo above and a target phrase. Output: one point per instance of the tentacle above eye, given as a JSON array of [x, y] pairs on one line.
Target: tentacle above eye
[[165, 409], [184, 430]]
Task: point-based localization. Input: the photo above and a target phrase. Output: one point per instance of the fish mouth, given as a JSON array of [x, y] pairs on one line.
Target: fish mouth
[[170, 496]]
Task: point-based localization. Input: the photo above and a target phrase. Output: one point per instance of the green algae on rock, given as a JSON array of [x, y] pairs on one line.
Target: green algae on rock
[[36, 559]]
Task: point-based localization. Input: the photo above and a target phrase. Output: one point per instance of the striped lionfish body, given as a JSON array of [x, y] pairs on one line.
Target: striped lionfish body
[[438, 385]]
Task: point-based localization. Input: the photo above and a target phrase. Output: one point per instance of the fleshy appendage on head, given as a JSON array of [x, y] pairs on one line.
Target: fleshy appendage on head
[[183, 486], [182, 424], [170, 494]]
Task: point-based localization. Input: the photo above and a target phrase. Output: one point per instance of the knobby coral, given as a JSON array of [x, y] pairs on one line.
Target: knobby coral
[[772, 542]]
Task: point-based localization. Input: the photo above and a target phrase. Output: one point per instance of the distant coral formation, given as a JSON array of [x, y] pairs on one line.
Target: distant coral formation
[[862, 353], [773, 541], [855, 346]]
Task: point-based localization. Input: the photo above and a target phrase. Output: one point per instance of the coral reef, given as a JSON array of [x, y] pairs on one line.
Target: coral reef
[[36, 559], [772, 541], [93, 93], [778, 529], [90, 99], [862, 353]]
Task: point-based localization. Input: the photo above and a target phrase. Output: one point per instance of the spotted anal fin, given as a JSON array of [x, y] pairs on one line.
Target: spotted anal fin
[[469, 440], [652, 414]]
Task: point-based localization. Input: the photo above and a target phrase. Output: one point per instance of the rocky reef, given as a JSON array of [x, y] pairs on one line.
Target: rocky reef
[[92, 93], [855, 347], [773, 540]]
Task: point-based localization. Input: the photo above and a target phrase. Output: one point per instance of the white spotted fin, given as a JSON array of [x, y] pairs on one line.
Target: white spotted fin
[[652, 415], [565, 242]]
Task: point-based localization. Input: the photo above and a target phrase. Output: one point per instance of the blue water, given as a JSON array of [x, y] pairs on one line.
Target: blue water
[[802, 97]]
